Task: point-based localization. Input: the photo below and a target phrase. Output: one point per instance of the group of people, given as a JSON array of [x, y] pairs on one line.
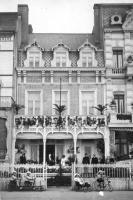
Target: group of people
[[94, 160], [27, 180], [100, 176], [88, 160]]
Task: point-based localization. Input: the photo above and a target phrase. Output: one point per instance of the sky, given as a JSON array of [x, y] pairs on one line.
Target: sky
[[58, 16]]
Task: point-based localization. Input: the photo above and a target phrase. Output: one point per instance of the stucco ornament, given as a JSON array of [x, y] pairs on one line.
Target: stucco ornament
[[130, 59], [128, 23]]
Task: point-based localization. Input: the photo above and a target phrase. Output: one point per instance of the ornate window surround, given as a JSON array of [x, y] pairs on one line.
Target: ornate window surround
[[34, 48], [87, 47], [58, 49], [68, 100], [80, 99], [26, 100]]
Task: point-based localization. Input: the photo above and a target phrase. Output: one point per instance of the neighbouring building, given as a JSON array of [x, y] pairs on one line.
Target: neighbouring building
[[114, 23], [12, 26], [81, 72]]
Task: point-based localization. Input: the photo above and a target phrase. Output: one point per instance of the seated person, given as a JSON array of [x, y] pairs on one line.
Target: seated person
[[100, 177], [29, 179], [80, 180], [13, 179]]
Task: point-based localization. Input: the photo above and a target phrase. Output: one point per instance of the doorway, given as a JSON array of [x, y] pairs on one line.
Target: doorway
[[50, 154]]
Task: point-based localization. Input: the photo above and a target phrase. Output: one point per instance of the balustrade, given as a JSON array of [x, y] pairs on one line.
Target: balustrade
[[57, 122], [120, 118]]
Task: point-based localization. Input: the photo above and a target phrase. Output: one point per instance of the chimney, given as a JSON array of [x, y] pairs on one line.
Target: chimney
[[98, 29], [23, 11]]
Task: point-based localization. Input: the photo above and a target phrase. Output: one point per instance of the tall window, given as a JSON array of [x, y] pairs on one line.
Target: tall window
[[61, 59], [117, 58], [64, 99], [34, 59], [87, 102], [121, 143], [34, 103], [119, 98], [87, 59]]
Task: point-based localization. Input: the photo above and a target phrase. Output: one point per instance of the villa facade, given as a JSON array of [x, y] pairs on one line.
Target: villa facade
[[79, 72]]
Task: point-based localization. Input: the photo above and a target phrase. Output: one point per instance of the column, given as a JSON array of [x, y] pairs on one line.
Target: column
[[43, 76], [51, 73], [97, 73], [78, 77], [107, 142], [24, 74], [70, 77], [44, 151], [13, 148]]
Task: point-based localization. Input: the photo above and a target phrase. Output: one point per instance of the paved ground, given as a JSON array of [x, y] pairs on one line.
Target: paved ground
[[66, 194]]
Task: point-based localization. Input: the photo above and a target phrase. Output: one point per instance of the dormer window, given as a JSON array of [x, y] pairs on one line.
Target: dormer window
[[34, 59], [87, 55], [61, 56], [61, 59], [86, 59], [34, 56]]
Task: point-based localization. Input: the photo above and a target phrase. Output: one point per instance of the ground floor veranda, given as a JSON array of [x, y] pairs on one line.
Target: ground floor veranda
[[40, 148]]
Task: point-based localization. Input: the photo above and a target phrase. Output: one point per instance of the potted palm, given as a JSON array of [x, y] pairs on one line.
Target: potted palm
[[101, 108], [113, 104], [59, 109], [16, 107]]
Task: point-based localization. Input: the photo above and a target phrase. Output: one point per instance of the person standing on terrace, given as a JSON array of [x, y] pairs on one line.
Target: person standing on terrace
[[86, 159]]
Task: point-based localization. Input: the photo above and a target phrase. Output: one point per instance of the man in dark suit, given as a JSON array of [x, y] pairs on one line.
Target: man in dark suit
[[94, 159], [86, 159]]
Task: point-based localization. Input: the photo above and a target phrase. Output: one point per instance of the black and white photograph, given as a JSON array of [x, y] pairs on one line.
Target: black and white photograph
[[66, 99]]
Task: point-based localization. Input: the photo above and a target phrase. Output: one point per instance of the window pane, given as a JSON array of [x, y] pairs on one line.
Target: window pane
[[63, 61], [36, 61], [63, 99], [31, 62], [118, 58], [34, 102], [119, 98], [30, 107], [57, 61], [37, 107], [84, 107], [84, 62]]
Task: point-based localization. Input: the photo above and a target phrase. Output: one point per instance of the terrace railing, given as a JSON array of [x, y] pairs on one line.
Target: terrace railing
[[63, 123]]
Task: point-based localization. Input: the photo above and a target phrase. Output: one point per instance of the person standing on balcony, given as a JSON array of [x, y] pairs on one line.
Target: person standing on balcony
[[23, 159], [94, 159], [86, 160]]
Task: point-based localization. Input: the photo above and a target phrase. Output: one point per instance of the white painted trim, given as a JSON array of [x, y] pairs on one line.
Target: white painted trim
[[80, 98], [68, 100], [41, 100]]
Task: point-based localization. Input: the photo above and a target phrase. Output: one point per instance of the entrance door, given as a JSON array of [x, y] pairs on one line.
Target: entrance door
[[50, 154]]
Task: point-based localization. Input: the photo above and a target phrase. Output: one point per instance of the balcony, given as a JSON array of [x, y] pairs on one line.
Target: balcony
[[6, 102], [123, 119], [113, 72], [54, 123]]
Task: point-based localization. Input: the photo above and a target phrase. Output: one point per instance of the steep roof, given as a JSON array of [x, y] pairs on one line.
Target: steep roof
[[8, 21], [49, 40]]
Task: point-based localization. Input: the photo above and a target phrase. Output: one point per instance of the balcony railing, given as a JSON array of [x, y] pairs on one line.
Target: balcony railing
[[118, 70], [121, 118], [6, 102], [57, 122]]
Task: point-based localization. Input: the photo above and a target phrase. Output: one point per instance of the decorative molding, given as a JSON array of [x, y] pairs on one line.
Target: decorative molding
[[128, 24], [34, 44]]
